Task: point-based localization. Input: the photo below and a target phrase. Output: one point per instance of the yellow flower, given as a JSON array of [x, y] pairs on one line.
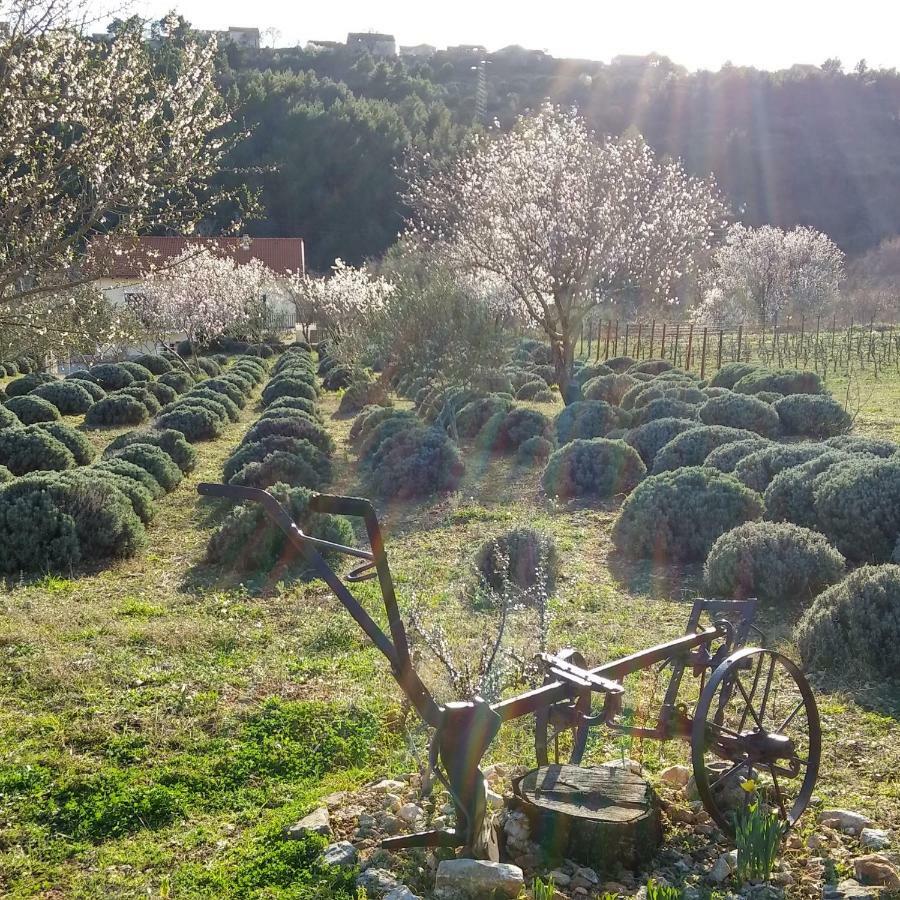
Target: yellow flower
[[749, 785]]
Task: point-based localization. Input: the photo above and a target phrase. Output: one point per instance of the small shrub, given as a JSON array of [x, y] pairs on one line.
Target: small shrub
[[855, 625], [545, 396], [162, 392], [593, 468], [116, 409], [223, 386], [619, 364], [55, 521], [287, 387], [132, 472], [24, 450], [759, 468], [139, 391], [513, 429], [768, 396], [812, 415], [155, 461], [789, 496], [650, 438], [741, 411], [139, 497], [258, 451], [693, 446], [856, 444], [282, 467], [248, 541], [726, 456], [375, 415], [111, 376], [370, 442], [338, 377], [69, 397], [588, 419], [521, 559], [787, 381], [191, 401], [27, 383], [545, 372], [664, 408], [677, 516], [731, 373], [5, 475], [179, 380], [10, 369], [297, 428], [779, 563], [30, 409], [530, 389], [137, 371], [609, 388], [8, 419], [360, 394], [858, 507], [78, 445], [299, 404], [415, 462], [534, 452], [87, 383], [209, 366], [652, 366], [642, 395], [194, 422], [201, 393], [154, 363], [586, 373], [170, 441]]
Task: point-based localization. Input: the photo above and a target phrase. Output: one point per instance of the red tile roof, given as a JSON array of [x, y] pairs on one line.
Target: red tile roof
[[117, 257]]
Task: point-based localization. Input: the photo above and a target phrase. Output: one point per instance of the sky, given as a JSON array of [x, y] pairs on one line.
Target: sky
[[698, 34]]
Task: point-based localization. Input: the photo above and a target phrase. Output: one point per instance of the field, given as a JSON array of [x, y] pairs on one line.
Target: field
[[160, 722]]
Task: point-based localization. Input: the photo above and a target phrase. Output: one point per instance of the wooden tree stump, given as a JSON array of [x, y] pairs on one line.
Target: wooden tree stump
[[601, 816]]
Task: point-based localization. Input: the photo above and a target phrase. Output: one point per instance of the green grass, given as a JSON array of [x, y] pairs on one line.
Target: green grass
[[160, 722]]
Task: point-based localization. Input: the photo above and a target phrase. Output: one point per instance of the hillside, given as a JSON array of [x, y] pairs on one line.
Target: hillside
[[809, 145]]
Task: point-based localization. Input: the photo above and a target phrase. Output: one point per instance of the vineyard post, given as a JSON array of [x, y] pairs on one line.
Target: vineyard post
[[740, 339], [775, 355], [799, 346], [616, 340], [589, 338], [833, 333], [703, 356], [627, 327], [662, 343], [689, 346], [719, 354], [599, 335], [816, 344], [652, 335], [675, 345], [637, 352], [606, 350]]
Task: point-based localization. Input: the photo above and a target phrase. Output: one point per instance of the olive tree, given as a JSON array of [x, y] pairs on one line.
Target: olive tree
[[564, 220]]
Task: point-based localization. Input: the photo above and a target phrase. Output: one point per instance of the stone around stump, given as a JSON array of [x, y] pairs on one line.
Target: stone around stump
[[601, 817]]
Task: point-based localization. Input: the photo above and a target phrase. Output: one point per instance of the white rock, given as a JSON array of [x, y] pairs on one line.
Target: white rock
[[317, 822], [389, 786], [410, 813], [588, 875], [560, 878], [877, 869], [874, 838], [630, 765], [401, 893], [343, 853], [377, 882], [677, 775], [844, 820], [723, 867], [392, 802], [476, 877]]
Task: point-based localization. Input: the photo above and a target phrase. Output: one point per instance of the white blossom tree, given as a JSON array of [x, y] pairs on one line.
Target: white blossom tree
[[767, 272], [340, 302], [565, 220], [200, 296], [95, 137]]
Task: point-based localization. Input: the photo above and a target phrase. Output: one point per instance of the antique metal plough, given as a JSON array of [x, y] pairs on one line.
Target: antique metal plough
[[752, 714]]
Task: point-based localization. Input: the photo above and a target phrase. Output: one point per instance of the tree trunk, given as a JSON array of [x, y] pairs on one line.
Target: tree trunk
[[602, 817], [563, 358]]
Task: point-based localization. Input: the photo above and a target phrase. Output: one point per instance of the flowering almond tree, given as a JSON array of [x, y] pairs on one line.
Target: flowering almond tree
[[340, 302], [95, 136], [565, 221], [766, 272], [201, 296]]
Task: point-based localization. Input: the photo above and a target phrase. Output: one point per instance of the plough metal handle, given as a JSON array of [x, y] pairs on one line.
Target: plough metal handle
[[397, 648]]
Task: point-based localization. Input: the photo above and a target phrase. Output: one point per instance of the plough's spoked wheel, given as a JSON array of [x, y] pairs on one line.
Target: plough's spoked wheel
[[560, 734], [756, 719]]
